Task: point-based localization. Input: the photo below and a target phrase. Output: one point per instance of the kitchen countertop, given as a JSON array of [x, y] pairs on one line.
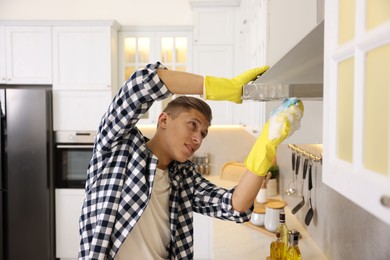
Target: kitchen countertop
[[245, 241]]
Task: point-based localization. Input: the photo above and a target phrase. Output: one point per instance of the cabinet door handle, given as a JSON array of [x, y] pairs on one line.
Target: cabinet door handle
[[385, 200]]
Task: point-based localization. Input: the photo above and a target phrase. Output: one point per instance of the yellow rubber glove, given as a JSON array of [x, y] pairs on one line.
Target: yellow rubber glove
[[230, 89], [284, 120]]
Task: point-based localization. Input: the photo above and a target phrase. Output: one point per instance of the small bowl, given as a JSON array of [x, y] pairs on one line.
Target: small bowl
[[257, 219]]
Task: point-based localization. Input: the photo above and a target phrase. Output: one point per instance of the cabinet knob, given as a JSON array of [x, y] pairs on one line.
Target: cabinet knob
[[385, 200]]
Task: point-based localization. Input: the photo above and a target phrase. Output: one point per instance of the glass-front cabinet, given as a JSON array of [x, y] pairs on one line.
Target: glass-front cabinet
[[356, 101], [138, 48]]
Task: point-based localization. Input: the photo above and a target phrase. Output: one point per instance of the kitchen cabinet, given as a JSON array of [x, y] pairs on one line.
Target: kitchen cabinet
[[213, 25], [141, 46], [253, 33], [252, 53], [67, 214], [84, 57], [84, 73], [215, 36], [79, 110], [356, 121], [26, 52], [216, 61]]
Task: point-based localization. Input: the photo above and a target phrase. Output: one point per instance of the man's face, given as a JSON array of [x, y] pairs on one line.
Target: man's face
[[184, 134]]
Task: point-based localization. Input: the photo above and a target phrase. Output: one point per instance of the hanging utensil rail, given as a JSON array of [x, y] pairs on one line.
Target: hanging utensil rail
[[306, 154]]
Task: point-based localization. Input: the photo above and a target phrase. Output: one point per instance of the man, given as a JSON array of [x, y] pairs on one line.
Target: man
[[140, 193]]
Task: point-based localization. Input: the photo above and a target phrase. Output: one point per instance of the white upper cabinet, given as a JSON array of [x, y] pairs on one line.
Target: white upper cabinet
[[213, 25], [215, 36], [82, 57], [216, 61], [84, 73], [357, 98], [141, 46], [26, 53]]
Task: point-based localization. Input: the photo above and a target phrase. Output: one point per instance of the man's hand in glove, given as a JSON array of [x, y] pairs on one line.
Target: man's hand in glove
[[284, 120], [230, 89]]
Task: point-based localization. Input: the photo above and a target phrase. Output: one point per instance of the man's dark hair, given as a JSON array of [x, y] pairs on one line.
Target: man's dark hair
[[185, 103]]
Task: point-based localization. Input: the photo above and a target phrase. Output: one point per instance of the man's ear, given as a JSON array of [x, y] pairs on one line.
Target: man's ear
[[162, 119]]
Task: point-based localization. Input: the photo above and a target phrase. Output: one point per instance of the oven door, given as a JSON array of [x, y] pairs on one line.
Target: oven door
[[72, 162]]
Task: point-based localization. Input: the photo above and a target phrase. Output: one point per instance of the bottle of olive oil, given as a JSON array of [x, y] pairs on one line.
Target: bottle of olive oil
[[283, 230], [277, 248], [293, 252]]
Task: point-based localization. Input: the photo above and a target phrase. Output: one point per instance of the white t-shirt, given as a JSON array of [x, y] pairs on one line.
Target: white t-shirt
[[151, 235]]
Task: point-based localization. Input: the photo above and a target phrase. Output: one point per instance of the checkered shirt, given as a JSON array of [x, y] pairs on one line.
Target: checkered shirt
[[121, 173]]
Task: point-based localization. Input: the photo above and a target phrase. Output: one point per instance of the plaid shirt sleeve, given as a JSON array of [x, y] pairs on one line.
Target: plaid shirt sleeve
[[191, 192], [132, 101], [216, 202]]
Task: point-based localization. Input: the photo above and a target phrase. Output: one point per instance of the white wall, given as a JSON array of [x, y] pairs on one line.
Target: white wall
[[126, 12]]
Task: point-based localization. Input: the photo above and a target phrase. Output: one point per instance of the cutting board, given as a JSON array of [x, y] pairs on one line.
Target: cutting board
[[232, 171]]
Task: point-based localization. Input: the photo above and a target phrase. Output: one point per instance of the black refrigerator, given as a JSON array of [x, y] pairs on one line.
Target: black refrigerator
[[26, 158]]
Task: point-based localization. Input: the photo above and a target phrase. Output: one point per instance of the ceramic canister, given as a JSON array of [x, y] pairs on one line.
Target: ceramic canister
[[272, 211], [257, 217]]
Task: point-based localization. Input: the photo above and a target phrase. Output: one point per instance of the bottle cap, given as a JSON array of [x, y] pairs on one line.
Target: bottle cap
[[294, 237]]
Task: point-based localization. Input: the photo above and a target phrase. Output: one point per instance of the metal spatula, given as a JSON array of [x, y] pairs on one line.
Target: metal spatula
[[300, 204], [310, 213]]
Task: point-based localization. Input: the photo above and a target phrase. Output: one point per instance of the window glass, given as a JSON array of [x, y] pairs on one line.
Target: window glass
[[345, 88]]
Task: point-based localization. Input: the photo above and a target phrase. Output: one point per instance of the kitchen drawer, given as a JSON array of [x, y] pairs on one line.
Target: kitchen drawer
[[79, 110]]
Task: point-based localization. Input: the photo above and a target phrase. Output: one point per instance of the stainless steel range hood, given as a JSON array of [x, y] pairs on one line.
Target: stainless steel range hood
[[299, 73]]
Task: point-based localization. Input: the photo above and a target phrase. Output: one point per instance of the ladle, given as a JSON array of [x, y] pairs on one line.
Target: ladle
[[310, 213], [300, 204], [291, 186]]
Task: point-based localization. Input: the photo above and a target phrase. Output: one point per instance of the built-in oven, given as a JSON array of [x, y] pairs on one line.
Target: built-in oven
[[73, 152]]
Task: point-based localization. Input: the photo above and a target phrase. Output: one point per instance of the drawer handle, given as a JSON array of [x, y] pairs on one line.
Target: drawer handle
[[72, 146], [385, 200]]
